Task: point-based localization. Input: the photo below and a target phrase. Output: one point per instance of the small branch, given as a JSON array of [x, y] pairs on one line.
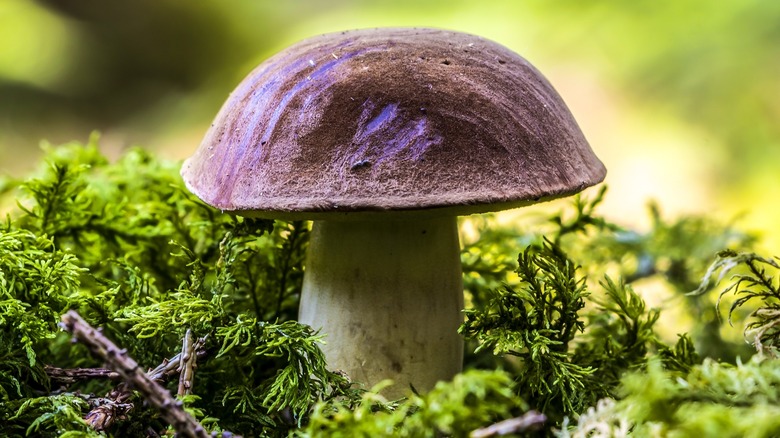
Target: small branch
[[531, 420], [68, 376], [170, 367], [101, 417], [114, 406], [119, 361], [187, 365]]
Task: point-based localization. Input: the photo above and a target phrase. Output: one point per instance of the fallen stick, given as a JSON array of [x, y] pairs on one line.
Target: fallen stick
[[187, 365], [67, 376], [118, 360], [531, 420]]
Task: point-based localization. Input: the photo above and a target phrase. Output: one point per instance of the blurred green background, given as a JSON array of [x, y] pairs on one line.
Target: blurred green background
[[681, 100]]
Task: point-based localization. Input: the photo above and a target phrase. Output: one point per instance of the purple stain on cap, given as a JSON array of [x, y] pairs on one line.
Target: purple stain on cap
[[265, 107], [390, 134]]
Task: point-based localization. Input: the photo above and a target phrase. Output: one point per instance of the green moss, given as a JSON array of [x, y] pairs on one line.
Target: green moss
[[141, 258], [713, 400], [473, 399]]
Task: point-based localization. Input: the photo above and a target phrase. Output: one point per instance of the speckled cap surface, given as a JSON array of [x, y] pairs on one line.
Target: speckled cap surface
[[391, 119]]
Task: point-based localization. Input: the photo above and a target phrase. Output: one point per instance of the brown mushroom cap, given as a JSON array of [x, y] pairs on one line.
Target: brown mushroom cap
[[391, 119]]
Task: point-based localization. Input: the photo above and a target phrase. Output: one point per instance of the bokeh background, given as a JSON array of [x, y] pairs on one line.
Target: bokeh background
[[681, 100]]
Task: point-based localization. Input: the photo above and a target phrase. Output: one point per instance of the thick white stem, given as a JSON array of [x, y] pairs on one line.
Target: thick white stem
[[389, 296]]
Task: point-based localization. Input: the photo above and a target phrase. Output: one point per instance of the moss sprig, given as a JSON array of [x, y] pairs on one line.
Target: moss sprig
[[754, 283], [536, 322]]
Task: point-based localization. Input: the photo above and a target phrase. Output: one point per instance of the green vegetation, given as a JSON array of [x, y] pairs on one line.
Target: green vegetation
[[556, 323]]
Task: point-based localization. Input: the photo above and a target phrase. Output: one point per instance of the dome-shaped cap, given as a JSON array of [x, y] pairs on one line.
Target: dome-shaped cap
[[391, 119]]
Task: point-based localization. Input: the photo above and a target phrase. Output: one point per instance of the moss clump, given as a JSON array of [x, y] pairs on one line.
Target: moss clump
[[560, 340]]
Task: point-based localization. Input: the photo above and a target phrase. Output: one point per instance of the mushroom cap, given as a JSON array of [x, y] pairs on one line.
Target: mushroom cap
[[400, 119]]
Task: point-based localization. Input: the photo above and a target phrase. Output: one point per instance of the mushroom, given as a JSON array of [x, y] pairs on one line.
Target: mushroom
[[383, 137]]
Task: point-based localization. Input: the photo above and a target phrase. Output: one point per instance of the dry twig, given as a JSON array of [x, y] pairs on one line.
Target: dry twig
[[529, 421], [187, 365], [118, 360], [66, 376]]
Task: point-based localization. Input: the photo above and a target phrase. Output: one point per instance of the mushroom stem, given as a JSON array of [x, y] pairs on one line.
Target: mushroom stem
[[388, 296]]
